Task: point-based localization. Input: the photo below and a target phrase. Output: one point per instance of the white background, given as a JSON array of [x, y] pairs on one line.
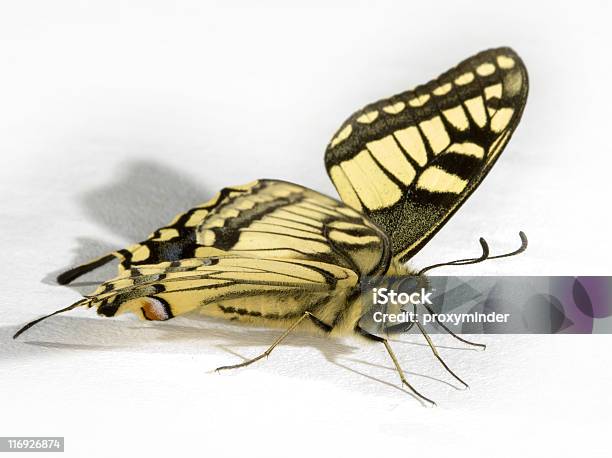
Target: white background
[[116, 116]]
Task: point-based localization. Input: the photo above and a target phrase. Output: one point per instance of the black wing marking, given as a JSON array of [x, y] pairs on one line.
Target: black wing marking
[[410, 161]]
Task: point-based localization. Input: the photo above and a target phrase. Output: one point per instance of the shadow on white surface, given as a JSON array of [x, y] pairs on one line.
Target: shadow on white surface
[[201, 336], [144, 196]]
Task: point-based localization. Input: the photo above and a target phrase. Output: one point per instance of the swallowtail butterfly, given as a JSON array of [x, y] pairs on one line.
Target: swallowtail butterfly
[[273, 252]]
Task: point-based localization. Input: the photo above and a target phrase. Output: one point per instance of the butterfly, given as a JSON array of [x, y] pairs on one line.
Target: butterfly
[[276, 253]]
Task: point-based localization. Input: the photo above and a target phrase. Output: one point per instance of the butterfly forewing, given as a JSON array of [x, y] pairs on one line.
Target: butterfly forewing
[[269, 219], [409, 162]]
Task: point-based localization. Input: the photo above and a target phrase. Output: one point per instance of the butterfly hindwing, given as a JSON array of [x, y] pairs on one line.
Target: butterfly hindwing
[[409, 162], [234, 287]]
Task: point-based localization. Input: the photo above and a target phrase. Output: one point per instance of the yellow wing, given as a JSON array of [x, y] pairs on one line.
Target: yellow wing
[[409, 162], [284, 220], [234, 287], [265, 218]]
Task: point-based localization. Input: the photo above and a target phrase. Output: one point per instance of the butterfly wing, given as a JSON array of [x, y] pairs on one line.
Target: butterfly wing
[[410, 161], [267, 251], [229, 286], [265, 218], [284, 220], [173, 242], [177, 240], [269, 218]]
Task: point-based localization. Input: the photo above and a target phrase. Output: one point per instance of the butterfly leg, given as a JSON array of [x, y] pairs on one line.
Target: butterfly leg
[[437, 355], [395, 362], [314, 319], [443, 326]]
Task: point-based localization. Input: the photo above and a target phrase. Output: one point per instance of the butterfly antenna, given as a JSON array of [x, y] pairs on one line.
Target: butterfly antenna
[[460, 262], [38, 320], [523, 247], [483, 257]]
